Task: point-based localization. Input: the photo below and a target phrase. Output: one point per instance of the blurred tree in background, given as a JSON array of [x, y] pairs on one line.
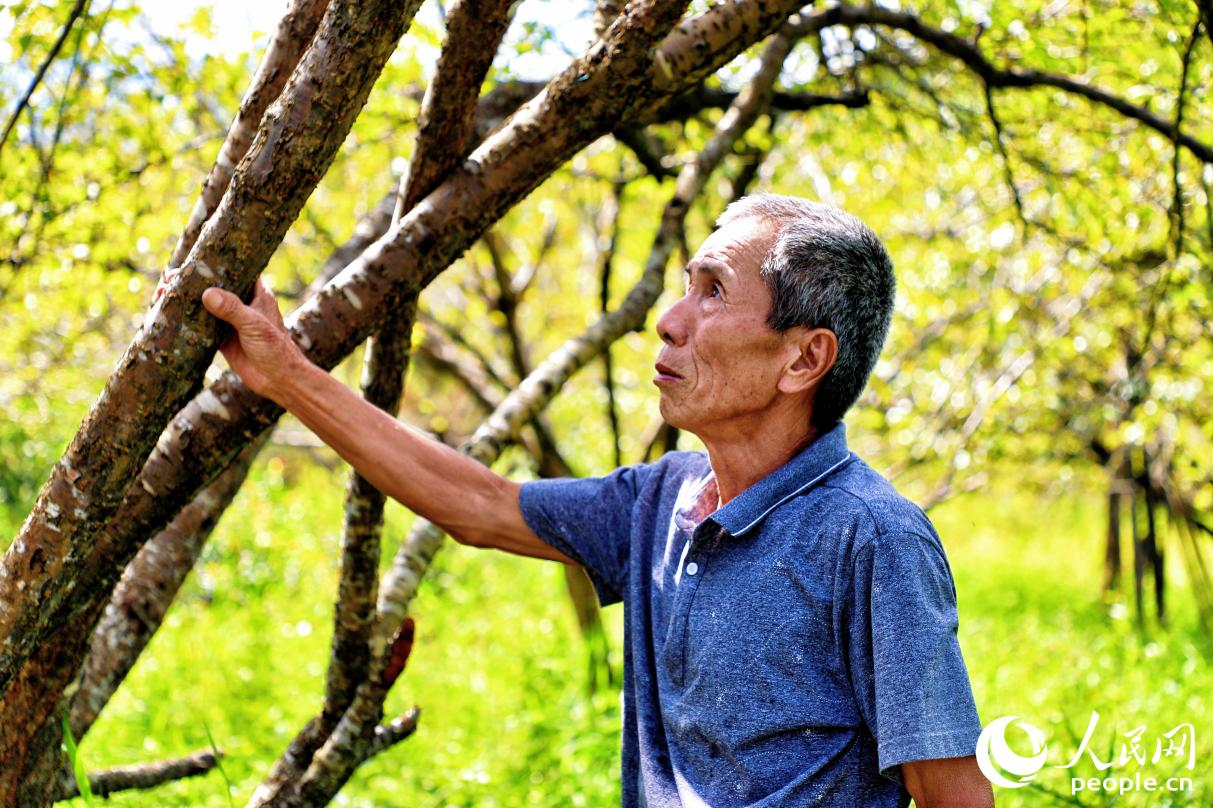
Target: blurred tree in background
[[1041, 175]]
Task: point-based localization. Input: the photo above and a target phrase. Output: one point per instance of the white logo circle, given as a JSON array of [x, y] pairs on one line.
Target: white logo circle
[[994, 755]]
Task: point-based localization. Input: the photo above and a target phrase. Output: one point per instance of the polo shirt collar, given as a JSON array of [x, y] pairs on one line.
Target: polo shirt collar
[[808, 468]]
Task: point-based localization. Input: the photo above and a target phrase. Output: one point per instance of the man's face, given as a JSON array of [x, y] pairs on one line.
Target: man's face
[[721, 362]]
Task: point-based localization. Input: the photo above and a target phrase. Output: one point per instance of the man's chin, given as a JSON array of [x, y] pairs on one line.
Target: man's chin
[[671, 414]]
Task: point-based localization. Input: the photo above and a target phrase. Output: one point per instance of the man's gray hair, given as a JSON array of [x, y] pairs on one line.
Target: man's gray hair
[[827, 269]]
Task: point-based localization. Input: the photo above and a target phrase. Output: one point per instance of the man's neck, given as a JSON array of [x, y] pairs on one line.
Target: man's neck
[[741, 459]]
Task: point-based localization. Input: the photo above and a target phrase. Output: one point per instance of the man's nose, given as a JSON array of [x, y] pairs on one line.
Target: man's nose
[[671, 326]]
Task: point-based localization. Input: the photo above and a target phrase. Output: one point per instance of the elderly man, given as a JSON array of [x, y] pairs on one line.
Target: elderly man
[[790, 619]]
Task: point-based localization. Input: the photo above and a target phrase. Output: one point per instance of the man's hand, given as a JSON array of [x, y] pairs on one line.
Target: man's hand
[[947, 783], [260, 349]]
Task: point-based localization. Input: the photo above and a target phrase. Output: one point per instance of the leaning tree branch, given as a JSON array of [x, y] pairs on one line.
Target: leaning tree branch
[[72, 16], [291, 38], [445, 132], [142, 776], [248, 424], [605, 12]]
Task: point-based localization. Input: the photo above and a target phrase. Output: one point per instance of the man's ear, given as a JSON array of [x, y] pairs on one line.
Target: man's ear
[[814, 352]]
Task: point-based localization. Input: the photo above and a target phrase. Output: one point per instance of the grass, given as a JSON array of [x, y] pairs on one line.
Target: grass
[[499, 672]]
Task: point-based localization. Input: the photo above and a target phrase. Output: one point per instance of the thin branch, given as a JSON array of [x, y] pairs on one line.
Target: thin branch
[[525, 275], [500, 102], [142, 776], [72, 16], [506, 303], [608, 238], [704, 97], [389, 734], [1001, 145], [1177, 202], [468, 373], [1062, 313], [453, 335], [968, 53], [1178, 224], [647, 148]]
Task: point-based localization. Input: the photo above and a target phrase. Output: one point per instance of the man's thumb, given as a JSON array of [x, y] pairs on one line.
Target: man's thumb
[[221, 303]]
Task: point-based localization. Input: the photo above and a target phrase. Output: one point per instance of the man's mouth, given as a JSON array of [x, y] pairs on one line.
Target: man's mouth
[[665, 374]]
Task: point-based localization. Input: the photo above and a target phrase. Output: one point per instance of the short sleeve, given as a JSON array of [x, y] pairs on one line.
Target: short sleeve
[[590, 521], [906, 667]]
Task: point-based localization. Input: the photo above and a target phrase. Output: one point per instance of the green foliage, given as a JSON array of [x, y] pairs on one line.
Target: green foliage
[[75, 764]]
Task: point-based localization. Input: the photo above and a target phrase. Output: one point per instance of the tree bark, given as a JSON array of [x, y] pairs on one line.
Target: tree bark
[[293, 35]]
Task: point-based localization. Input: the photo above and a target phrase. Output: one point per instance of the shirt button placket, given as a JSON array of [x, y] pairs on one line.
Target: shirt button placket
[[692, 574]]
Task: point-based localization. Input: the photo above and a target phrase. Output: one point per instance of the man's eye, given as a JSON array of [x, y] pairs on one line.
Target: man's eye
[[714, 290]]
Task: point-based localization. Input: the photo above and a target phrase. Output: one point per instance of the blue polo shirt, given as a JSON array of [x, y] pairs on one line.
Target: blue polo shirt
[[790, 649]]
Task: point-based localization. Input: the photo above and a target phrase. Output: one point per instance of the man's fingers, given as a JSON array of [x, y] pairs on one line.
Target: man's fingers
[[265, 303]]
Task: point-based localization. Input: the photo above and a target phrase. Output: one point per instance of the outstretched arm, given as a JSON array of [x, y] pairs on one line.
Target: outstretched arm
[[464, 498]]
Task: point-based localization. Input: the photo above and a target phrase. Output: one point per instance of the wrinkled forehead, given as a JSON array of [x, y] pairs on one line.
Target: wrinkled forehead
[[743, 244]]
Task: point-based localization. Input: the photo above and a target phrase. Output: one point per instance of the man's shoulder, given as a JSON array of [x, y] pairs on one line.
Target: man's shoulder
[[862, 496]]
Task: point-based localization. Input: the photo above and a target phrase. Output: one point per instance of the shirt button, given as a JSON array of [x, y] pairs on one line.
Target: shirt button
[[692, 568]]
